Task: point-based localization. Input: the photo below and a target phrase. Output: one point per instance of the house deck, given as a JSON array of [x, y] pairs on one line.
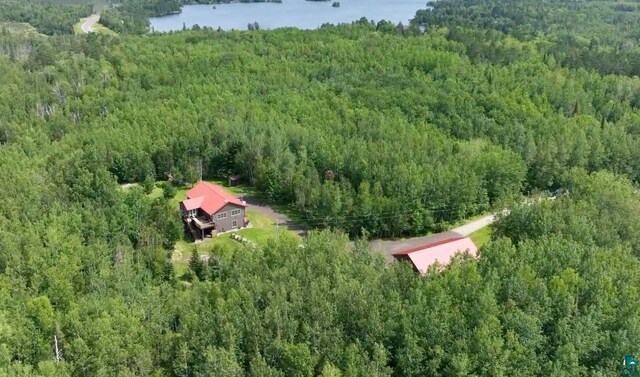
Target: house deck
[[203, 224]]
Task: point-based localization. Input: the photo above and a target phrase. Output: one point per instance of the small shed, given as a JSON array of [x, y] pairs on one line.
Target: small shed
[[234, 180]]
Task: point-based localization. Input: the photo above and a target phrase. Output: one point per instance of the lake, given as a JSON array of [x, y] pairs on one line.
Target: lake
[[295, 13]]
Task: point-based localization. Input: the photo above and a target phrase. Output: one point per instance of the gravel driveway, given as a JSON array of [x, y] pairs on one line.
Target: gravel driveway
[[258, 205]]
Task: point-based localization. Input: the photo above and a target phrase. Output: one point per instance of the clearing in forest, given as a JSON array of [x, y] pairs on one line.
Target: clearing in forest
[[91, 25]]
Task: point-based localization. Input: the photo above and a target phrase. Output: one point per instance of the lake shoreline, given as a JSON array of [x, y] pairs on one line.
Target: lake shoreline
[[301, 14], [217, 2]]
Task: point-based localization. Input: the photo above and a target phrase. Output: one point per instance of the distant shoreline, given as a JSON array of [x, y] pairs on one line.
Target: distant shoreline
[[172, 13], [218, 2], [246, 1], [307, 15]]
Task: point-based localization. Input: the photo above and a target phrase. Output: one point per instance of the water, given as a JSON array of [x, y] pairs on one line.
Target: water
[[296, 13]]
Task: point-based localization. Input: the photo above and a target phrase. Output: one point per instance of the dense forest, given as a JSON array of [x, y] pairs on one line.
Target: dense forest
[[596, 35], [131, 16], [370, 130], [48, 17]]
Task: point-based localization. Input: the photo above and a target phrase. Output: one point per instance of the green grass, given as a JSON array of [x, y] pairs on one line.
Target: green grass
[[183, 249], [181, 194], [156, 193], [263, 229], [236, 190], [77, 28], [101, 29], [482, 236], [467, 220], [97, 28]]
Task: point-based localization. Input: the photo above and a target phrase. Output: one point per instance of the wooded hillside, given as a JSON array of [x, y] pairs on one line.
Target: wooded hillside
[[367, 129]]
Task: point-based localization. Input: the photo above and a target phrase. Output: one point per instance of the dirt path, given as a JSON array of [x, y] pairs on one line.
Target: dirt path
[[125, 186], [388, 247], [89, 22], [474, 226]]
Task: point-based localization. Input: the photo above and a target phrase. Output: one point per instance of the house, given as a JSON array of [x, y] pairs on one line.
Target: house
[[210, 209], [442, 251]]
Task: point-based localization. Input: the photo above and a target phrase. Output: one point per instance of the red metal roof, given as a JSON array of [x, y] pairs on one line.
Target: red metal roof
[[442, 251], [194, 203], [209, 197], [428, 245]]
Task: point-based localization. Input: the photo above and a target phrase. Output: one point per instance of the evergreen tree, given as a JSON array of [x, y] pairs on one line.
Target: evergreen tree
[[197, 265]]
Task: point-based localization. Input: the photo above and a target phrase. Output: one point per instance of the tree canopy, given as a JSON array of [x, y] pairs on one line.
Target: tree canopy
[[363, 130]]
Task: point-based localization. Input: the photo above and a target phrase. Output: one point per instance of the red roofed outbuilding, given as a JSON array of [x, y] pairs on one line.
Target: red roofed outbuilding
[[210, 209], [423, 256]]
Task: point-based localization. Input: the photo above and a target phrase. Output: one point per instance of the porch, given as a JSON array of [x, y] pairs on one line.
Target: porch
[[200, 227]]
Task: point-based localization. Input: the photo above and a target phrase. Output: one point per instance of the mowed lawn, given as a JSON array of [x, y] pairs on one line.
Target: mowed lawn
[[263, 228], [181, 194], [482, 236], [156, 193], [97, 28]]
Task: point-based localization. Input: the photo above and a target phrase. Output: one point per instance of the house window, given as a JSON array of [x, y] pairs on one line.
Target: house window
[[235, 212], [234, 224], [193, 213], [222, 215]]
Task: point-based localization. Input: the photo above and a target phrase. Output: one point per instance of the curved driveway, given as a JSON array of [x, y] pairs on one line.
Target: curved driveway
[[89, 22], [280, 218], [387, 246]]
